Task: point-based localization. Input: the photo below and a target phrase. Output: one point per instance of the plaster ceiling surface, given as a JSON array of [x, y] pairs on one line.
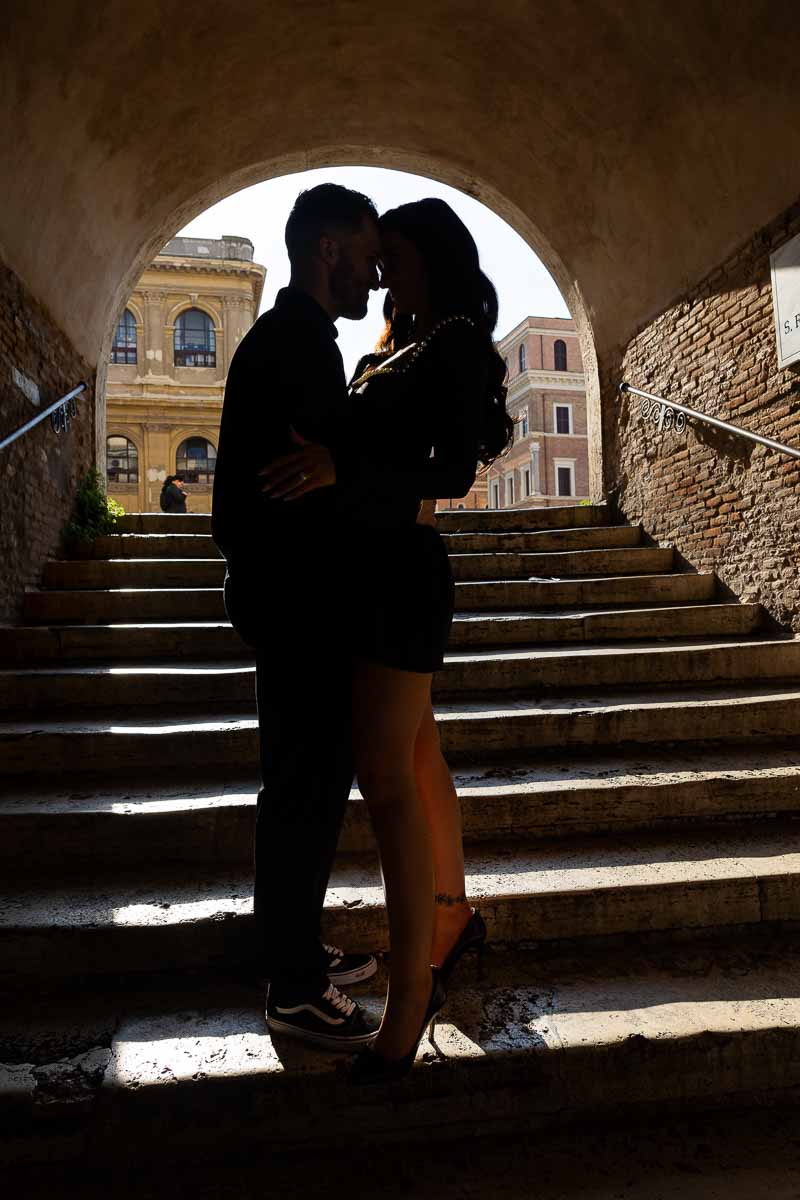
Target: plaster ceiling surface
[[633, 143]]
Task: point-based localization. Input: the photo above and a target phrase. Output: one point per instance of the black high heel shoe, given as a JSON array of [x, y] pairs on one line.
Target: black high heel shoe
[[473, 937], [370, 1066]]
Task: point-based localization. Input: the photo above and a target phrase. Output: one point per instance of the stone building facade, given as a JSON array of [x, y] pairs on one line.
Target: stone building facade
[[169, 361], [548, 463]]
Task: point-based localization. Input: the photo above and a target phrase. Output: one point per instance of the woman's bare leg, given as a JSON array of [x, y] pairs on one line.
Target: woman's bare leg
[[443, 813], [387, 710]]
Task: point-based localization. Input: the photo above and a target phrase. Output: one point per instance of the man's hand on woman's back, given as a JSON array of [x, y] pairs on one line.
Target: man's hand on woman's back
[[293, 475]]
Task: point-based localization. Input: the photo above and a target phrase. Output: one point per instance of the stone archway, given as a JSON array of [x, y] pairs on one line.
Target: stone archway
[[394, 158]]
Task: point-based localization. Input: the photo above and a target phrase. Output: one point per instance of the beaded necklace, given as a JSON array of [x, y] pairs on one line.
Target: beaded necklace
[[409, 354]]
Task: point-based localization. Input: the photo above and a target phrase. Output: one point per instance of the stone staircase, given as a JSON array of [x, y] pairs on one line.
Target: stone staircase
[[626, 750]]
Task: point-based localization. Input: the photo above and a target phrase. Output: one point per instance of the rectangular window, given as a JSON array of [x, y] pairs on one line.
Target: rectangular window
[[563, 421], [526, 481], [509, 489], [565, 479], [495, 493], [525, 425]]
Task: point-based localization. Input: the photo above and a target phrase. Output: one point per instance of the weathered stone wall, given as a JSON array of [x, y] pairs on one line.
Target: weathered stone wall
[[727, 505], [38, 472]]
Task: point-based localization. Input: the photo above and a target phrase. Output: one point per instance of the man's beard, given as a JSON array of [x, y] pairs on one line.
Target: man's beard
[[350, 297]]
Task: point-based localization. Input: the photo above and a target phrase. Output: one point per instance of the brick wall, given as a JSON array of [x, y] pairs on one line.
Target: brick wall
[[726, 504], [38, 473]]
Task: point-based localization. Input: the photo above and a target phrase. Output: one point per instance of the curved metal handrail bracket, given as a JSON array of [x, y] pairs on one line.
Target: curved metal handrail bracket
[[666, 412], [60, 413]]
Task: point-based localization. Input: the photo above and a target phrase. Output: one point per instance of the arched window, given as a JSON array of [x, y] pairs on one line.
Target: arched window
[[195, 343], [560, 355], [123, 349], [196, 460], [122, 460], [522, 357]]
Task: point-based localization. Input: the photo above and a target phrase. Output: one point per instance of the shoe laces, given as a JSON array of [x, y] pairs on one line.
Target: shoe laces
[[339, 1001], [334, 951]]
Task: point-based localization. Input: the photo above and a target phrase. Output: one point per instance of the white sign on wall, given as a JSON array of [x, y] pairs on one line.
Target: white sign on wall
[[785, 264]]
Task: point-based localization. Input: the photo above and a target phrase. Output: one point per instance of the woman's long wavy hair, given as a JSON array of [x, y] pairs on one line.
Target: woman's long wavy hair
[[457, 286]]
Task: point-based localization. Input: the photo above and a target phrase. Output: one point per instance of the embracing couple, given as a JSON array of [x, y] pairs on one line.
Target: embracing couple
[[323, 509]]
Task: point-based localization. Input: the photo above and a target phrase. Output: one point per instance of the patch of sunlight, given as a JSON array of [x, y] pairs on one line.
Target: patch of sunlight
[[194, 625], [149, 591], [183, 803], [161, 671], [193, 727], [683, 1017], [166, 1060], [452, 1042], [179, 912]]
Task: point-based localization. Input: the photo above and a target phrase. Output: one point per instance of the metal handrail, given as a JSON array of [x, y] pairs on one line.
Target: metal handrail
[[67, 408], [666, 405]]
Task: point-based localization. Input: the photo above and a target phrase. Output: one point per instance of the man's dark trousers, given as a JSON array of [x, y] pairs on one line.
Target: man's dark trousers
[[303, 683]]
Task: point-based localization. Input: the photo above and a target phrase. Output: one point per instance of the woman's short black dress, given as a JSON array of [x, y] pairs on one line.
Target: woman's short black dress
[[415, 436]]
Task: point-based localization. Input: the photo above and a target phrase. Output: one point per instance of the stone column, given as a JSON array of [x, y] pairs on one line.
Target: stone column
[[158, 465], [237, 321], [153, 332]]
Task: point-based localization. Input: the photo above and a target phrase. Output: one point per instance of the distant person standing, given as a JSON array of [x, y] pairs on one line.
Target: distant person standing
[[173, 497]]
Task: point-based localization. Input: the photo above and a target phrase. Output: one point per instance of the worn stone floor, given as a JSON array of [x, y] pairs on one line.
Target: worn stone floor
[[736, 1155]]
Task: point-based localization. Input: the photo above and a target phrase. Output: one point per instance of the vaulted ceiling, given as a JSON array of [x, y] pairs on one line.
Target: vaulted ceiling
[[632, 142]]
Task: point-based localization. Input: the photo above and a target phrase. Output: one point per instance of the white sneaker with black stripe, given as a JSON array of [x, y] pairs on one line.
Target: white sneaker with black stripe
[[329, 1019], [343, 969]]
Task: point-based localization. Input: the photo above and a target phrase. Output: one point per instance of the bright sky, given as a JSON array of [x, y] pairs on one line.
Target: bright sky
[[523, 284]]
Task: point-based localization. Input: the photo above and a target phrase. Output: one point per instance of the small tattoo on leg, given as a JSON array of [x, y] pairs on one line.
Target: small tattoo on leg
[[448, 900]]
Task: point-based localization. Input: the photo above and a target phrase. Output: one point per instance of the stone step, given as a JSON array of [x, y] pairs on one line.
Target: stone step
[[544, 541], [158, 522], [183, 640], [139, 604], [577, 516], [78, 606], [189, 916], [199, 545], [169, 1074], [622, 591], [153, 545], [468, 729], [534, 671], [637, 560], [210, 572], [124, 605], [75, 825]]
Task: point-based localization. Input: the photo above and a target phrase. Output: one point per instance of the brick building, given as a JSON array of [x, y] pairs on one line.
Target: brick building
[[169, 359], [548, 464]]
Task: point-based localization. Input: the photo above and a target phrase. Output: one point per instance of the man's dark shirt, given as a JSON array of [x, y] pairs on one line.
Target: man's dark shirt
[[287, 372]]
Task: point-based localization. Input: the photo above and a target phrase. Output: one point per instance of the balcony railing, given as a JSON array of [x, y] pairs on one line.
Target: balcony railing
[[195, 358]]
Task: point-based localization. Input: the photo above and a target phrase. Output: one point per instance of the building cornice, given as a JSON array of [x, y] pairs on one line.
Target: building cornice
[[535, 380], [192, 266]]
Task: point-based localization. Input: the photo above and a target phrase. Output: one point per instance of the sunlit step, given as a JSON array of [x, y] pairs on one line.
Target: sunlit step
[[468, 729], [158, 819]]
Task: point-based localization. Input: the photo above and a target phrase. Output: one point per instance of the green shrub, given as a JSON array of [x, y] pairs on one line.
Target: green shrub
[[94, 513]]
